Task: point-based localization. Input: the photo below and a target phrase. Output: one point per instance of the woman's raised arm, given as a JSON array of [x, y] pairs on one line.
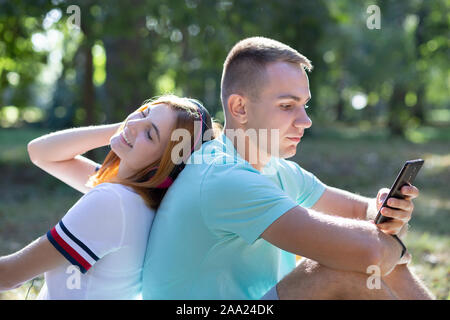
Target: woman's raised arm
[[59, 153]]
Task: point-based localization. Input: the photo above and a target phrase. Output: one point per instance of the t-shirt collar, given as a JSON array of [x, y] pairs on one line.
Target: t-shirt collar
[[231, 150]]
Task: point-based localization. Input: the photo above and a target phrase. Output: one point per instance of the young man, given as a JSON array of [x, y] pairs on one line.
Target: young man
[[230, 226]]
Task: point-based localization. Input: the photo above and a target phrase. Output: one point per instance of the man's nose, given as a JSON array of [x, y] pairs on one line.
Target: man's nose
[[302, 120]]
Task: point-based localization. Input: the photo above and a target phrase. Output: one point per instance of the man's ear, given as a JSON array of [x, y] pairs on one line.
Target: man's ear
[[237, 107]]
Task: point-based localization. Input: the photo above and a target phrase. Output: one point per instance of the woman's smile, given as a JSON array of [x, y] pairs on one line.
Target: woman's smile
[[125, 139]]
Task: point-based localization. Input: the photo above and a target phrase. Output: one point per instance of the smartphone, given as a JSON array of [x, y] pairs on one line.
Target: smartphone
[[405, 177]]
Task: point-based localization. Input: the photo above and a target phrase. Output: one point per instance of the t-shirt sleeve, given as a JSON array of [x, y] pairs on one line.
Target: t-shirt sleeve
[[92, 228], [238, 200], [310, 188]]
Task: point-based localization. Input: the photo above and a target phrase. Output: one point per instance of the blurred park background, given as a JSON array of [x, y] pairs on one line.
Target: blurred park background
[[380, 95]]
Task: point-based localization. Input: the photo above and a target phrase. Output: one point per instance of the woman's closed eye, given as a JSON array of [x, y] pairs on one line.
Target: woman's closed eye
[[149, 136], [144, 115]]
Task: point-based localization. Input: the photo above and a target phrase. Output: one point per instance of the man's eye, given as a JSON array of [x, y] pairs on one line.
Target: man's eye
[[149, 136], [285, 106]]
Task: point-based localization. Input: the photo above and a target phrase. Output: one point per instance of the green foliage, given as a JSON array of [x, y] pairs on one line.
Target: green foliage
[[126, 53], [19, 62]]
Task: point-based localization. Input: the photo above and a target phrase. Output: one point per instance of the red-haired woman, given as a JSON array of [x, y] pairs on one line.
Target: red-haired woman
[[97, 249]]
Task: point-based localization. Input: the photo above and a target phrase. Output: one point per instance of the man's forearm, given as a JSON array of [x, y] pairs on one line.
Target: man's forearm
[[342, 203], [364, 208], [371, 210]]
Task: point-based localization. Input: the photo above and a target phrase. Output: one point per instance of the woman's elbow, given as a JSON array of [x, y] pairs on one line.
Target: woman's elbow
[[32, 151], [6, 282], [6, 286]]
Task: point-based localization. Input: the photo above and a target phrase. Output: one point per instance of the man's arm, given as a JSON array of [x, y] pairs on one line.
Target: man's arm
[[345, 204], [335, 242], [342, 203]]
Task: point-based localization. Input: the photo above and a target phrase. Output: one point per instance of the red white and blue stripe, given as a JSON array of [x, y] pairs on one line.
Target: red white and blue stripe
[[72, 248]]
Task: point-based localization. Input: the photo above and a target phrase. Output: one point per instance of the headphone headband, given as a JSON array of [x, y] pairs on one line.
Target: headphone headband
[[203, 125]]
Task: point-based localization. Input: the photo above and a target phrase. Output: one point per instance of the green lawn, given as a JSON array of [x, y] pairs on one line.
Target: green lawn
[[357, 160]]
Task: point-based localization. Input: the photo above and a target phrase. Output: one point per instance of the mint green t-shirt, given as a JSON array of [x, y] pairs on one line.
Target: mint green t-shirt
[[205, 239]]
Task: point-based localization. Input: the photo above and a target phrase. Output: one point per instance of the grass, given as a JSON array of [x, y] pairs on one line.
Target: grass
[[355, 159]]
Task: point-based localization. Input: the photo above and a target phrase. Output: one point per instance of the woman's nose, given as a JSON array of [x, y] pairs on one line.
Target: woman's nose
[[134, 125]]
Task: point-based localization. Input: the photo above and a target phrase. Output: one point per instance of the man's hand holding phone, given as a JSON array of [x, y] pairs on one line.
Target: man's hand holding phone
[[395, 205], [400, 210]]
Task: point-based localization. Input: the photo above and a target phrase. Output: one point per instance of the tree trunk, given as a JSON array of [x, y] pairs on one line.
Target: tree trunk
[[340, 103], [88, 86], [396, 114], [419, 109]]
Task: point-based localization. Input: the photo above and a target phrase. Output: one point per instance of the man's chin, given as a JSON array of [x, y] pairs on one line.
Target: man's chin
[[289, 153]]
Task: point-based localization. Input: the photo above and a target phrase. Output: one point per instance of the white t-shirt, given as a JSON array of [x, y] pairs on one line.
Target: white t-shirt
[[104, 238]]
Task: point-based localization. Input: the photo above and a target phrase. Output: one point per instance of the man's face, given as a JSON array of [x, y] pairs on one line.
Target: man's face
[[281, 105]]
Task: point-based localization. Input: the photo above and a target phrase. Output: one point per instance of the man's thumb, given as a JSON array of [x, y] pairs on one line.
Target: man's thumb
[[382, 194]]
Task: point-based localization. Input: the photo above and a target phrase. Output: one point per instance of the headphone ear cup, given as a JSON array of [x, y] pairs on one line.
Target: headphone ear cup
[[165, 184], [172, 176]]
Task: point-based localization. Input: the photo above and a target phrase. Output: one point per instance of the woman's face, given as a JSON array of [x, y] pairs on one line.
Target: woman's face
[[143, 138]]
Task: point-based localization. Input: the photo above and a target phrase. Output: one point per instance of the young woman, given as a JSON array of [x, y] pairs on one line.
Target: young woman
[[97, 249]]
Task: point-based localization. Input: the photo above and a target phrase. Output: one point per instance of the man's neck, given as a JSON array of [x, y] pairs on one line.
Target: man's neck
[[247, 149]]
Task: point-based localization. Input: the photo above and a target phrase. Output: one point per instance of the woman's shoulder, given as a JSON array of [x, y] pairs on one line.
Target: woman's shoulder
[[113, 202], [121, 195], [112, 186], [113, 189], [111, 194]]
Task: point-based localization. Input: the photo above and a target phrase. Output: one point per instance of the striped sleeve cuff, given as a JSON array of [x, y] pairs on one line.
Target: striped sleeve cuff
[[71, 247]]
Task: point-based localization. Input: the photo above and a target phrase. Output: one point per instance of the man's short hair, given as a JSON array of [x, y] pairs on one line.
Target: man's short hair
[[244, 67]]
